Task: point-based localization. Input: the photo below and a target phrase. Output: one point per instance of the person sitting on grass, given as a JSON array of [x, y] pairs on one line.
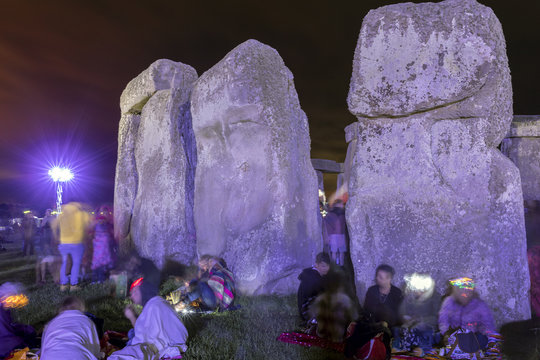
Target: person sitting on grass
[[367, 339], [333, 310], [157, 332], [418, 311], [214, 286], [464, 309], [383, 299], [71, 334], [311, 283], [12, 335]]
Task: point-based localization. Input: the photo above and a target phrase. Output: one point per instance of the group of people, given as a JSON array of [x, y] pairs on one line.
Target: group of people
[[414, 320], [75, 237], [157, 331]]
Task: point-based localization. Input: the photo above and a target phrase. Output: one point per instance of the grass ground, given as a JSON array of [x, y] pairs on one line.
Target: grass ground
[[247, 333]]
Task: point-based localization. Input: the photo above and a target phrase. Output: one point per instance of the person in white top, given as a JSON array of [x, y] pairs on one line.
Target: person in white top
[[71, 334], [158, 331]]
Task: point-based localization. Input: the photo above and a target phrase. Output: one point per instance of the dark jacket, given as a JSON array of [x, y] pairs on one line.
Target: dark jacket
[[13, 335], [384, 308], [311, 285]]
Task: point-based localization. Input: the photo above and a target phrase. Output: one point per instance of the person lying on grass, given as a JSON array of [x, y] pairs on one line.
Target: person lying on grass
[[12, 335], [157, 332], [214, 287], [71, 334]]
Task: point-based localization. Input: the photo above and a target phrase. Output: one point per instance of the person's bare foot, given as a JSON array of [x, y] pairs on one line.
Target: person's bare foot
[[64, 288], [418, 352], [74, 288]]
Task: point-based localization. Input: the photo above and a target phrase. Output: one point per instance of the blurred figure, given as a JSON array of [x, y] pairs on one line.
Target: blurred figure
[[47, 256], [103, 255], [71, 227], [336, 231], [311, 284], [367, 339], [214, 286], [12, 335], [137, 267], [419, 315], [71, 334], [464, 309], [333, 310], [383, 299], [157, 332], [29, 227]]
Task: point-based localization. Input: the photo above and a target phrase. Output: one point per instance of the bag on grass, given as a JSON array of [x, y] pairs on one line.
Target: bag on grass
[[465, 344]]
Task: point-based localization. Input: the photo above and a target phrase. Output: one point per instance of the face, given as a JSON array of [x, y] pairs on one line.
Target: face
[[203, 265], [322, 268], [462, 296], [136, 295], [383, 279]]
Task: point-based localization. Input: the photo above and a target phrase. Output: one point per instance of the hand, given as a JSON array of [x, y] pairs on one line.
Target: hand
[[129, 313]]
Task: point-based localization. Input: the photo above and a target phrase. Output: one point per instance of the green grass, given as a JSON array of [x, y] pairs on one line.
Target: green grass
[[247, 333]]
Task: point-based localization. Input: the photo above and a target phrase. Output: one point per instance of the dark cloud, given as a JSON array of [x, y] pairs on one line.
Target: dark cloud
[[64, 64]]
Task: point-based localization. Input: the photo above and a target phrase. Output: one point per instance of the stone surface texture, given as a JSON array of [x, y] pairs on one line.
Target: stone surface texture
[[256, 198], [156, 164], [522, 146], [429, 191]]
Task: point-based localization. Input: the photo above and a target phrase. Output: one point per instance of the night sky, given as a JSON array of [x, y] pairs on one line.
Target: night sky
[[64, 64]]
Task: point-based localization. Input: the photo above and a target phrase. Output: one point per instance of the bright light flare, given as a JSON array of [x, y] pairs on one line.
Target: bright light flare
[[60, 174], [420, 282]]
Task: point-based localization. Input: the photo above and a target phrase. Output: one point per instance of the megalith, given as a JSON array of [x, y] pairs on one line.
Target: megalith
[[155, 170], [256, 198], [429, 190], [522, 146]]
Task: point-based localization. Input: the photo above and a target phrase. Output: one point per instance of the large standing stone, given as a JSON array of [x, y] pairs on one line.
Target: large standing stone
[[256, 198], [522, 146], [429, 191], [156, 164]]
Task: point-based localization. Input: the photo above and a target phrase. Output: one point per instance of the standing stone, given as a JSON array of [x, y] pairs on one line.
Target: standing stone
[[522, 146], [256, 198], [429, 190], [156, 164]]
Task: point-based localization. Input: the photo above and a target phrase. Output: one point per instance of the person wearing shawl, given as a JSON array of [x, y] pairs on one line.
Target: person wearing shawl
[[12, 335], [157, 332]]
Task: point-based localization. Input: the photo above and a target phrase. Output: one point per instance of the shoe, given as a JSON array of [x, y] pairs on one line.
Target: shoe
[[74, 288], [64, 288]]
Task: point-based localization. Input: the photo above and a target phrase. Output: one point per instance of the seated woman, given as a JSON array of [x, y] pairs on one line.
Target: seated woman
[[157, 332], [418, 312], [214, 287], [12, 335], [71, 334], [383, 299], [464, 309], [311, 283]]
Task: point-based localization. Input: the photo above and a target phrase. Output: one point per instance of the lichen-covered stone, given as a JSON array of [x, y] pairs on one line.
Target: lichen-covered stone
[[126, 178], [429, 191], [156, 165], [523, 148], [256, 198]]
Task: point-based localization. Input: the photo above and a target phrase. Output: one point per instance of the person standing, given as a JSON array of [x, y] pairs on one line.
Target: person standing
[[71, 227], [103, 244], [336, 230], [29, 232]]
